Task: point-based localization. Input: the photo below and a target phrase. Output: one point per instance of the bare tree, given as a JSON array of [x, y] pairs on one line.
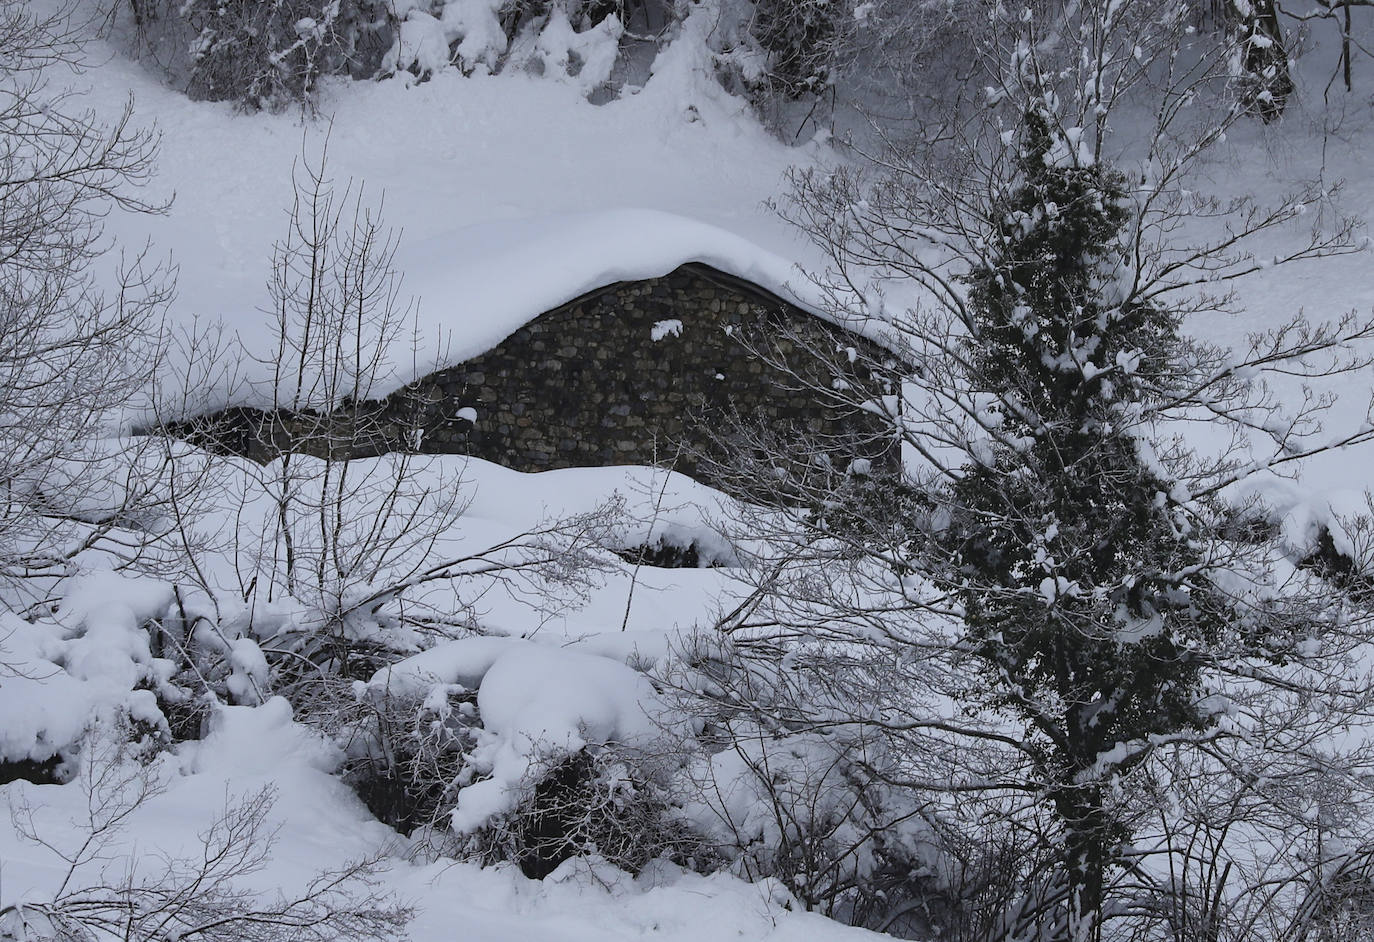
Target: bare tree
[[71, 354], [358, 558]]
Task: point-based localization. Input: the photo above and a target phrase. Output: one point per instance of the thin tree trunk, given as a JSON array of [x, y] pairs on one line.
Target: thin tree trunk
[[1086, 852], [1345, 45]]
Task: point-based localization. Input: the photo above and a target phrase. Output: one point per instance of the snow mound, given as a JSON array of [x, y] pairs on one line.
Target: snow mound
[[585, 903], [59, 676], [538, 704], [247, 741], [541, 704], [463, 662]]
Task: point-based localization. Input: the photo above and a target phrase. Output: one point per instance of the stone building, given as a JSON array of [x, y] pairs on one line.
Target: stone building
[[680, 370]]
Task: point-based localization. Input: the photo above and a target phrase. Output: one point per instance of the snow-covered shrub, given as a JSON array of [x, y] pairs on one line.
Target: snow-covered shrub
[[405, 752], [121, 649], [583, 56], [88, 661], [801, 39], [505, 750], [270, 53], [124, 653], [599, 802], [539, 706], [420, 46], [810, 804], [812, 810], [109, 887], [577, 41], [214, 656]]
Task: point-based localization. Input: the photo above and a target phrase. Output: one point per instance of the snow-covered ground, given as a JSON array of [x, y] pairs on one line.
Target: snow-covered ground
[[515, 194], [550, 678], [322, 825]]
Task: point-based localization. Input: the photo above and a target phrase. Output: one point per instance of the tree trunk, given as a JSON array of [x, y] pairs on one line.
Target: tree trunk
[[1087, 839], [1345, 46]]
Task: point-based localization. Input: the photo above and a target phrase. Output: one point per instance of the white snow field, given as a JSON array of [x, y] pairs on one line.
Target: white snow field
[[513, 194], [549, 679]]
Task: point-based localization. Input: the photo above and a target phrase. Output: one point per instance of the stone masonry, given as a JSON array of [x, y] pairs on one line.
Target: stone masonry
[[662, 371]]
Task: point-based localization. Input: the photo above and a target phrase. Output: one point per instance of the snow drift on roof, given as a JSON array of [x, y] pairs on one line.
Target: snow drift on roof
[[476, 285], [506, 274]]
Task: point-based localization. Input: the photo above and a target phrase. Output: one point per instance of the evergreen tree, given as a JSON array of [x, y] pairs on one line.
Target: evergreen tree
[[1080, 571]]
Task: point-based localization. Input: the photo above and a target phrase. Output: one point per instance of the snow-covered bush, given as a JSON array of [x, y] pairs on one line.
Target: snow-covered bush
[[813, 811], [88, 660], [575, 41], [122, 651], [271, 53], [812, 806], [500, 749], [802, 40], [504, 750], [405, 751], [600, 802]]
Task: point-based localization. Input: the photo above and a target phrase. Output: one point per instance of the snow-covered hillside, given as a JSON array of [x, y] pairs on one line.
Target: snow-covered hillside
[[512, 194]]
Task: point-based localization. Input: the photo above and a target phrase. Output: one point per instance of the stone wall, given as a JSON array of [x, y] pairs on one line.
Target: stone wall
[[660, 371], [648, 372]]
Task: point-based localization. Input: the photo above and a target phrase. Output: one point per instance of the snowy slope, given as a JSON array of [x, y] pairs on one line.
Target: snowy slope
[[514, 195], [1333, 145]]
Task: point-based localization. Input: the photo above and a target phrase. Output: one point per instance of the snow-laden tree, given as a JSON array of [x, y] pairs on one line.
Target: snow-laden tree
[[1060, 615], [270, 53], [1083, 584]]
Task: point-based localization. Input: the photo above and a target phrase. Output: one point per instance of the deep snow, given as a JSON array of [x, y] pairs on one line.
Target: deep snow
[[514, 195]]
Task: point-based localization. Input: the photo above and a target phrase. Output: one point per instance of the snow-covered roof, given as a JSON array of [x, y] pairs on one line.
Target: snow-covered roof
[[512, 195], [505, 274], [476, 285]]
